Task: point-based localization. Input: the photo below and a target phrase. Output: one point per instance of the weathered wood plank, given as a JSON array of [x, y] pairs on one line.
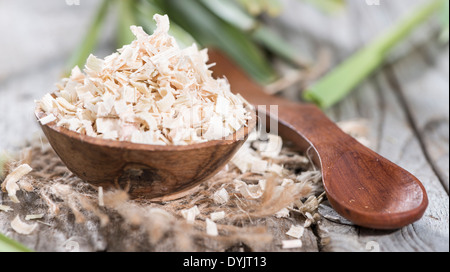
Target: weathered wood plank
[[421, 84]]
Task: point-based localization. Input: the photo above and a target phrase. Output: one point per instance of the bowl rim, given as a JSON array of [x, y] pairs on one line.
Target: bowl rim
[[237, 136]]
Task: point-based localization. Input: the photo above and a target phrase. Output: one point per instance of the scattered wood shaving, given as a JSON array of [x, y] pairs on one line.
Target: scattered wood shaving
[[25, 185], [296, 231], [272, 147], [101, 202], [211, 228], [5, 208], [34, 216], [23, 228], [283, 213], [289, 244], [215, 216], [10, 182], [190, 214], [221, 196]]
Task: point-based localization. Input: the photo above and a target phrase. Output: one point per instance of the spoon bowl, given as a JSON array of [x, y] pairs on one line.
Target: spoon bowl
[[160, 172]]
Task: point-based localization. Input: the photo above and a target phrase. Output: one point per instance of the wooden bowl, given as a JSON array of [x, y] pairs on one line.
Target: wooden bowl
[[147, 171]]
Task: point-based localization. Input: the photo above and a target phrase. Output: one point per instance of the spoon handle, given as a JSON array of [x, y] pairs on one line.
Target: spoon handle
[[361, 185]]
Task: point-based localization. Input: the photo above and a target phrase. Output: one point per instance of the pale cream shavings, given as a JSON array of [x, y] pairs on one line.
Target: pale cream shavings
[[23, 228], [296, 231], [151, 92], [272, 147], [34, 216], [5, 208], [47, 119], [283, 213], [221, 196], [101, 201], [190, 214], [211, 227], [215, 216], [290, 244], [10, 183]]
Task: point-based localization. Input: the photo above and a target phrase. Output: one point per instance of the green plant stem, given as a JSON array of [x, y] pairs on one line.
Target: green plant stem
[[10, 245], [78, 58], [277, 45], [230, 12], [345, 77], [126, 19]]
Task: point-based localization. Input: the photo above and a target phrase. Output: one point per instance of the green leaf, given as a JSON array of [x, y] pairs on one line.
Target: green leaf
[[257, 7], [230, 12], [87, 46], [346, 76], [212, 31], [10, 245]]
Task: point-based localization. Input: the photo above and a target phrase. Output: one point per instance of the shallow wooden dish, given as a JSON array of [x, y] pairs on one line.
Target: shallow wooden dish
[[146, 171]]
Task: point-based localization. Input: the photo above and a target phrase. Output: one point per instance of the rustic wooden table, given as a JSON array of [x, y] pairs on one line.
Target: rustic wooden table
[[405, 103]]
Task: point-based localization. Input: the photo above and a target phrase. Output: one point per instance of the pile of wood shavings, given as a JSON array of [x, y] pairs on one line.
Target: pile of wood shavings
[[238, 209], [227, 210], [150, 92]]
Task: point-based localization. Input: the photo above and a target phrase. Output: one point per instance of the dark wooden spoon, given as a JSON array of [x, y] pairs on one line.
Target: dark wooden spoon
[[360, 184]]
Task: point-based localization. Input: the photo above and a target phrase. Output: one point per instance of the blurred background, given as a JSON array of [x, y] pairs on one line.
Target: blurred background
[[289, 46]]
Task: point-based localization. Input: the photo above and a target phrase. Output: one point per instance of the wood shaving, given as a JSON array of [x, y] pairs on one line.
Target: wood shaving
[[101, 202], [272, 147], [289, 244], [190, 214], [10, 183], [296, 231], [283, 213], [34, 216], [211, 228], [5, 208], [221, 196], [150, 91], [23, 228], [215, 216], [47, 119], [25, 185]]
